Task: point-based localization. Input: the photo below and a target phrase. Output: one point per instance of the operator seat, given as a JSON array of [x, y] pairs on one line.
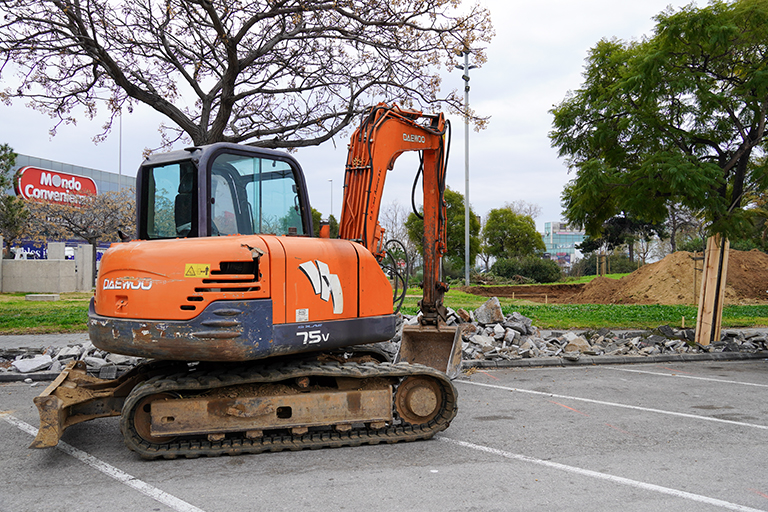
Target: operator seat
[[183, 205]]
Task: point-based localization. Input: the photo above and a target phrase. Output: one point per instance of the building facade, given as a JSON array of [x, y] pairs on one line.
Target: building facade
[[561, 242], [41, 179], [105, 181]]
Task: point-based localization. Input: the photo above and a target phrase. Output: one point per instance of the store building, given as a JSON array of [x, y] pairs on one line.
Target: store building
[[64, 183], [105, 181], [561, 241]]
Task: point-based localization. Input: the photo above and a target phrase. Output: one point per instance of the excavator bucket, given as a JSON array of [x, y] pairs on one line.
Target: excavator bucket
[[74, 397], [437, 347]]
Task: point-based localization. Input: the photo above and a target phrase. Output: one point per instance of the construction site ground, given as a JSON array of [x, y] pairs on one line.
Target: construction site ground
[[673, 437], [676, 279]]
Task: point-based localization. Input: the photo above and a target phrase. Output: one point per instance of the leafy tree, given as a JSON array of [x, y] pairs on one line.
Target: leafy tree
[[13, 212], [678, 117], [455, 231], [275, 73], [509, 235], [622, 230], [317, 218]]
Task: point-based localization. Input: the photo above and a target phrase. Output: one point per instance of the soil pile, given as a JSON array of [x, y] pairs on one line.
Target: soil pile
[[674, 280]]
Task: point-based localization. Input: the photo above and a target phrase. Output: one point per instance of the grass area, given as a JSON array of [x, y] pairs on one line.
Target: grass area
[[587, 279], [596, 316], [20, 316]]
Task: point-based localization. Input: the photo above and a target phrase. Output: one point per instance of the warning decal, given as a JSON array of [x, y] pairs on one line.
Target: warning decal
[[197, 270]]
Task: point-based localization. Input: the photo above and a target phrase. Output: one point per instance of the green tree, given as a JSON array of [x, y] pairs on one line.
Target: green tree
[[622, 230], [317, 219], [675, 118], [511, 235], [13, 211], [272, 73], [455, 231]]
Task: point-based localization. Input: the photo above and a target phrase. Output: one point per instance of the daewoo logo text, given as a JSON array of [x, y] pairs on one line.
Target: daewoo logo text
[[126, 284], [414, 138]]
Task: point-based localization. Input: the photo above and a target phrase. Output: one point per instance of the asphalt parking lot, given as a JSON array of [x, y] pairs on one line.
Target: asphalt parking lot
[[672, 437]]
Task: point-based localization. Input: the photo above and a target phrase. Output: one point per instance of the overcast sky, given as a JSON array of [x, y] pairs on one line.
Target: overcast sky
[[536, 57]]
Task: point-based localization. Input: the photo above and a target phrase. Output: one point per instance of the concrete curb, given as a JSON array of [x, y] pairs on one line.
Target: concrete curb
[[21, 377], [598, 360], [517, 363]]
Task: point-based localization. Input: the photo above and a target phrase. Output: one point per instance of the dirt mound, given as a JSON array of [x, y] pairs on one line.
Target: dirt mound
[[673, 280], [559, 293]]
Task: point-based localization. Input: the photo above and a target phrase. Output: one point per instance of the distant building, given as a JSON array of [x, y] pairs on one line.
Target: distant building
[[561, 242], [63, 183], [105, 181]]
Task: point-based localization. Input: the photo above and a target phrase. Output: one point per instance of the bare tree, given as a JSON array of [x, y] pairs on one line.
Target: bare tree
[[392, 219], [522, 207], [273, 73], [97, 218]]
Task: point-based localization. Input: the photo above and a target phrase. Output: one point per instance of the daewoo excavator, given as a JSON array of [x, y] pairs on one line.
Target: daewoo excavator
[[250, 323]]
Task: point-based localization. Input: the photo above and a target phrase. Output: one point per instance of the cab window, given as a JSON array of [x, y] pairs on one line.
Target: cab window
[[253, 195], [170, 198]]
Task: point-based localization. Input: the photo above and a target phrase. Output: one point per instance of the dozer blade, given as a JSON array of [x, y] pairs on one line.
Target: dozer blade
[[437, 347], [74, 397]]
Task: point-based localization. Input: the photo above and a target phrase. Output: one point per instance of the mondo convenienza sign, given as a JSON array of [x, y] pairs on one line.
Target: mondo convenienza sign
[[54, 186]]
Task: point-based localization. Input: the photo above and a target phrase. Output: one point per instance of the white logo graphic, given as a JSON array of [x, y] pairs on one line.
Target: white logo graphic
[[325, 284]]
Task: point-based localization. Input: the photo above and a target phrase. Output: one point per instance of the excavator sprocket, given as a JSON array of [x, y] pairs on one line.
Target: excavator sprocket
[[248, 404]]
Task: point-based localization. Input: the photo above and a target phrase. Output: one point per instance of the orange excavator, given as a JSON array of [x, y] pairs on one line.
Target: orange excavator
[[257, 333]]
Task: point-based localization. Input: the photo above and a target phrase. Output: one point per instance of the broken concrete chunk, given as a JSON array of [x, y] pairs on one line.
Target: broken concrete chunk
[[578, 344], [518, 326], [33, 365], [490, 312], [95, 362]]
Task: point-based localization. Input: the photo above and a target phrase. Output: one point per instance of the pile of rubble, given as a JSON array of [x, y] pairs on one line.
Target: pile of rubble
[[489, 335], [52, 360]]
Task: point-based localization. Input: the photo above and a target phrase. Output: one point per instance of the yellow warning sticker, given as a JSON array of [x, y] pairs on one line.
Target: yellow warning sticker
[[197, 270]]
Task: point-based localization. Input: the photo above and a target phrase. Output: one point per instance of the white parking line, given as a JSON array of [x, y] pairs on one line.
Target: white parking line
[[603, 476], [614, 404], [719, 381], [109, 470]]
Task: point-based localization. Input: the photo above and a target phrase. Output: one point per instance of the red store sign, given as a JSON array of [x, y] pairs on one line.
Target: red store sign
[[54, 186]]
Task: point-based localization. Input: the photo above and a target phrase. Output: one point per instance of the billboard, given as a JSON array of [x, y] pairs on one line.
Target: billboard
[[54, 186]]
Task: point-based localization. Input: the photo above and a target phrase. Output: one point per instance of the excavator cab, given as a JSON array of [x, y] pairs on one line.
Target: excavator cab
[[221, 190]]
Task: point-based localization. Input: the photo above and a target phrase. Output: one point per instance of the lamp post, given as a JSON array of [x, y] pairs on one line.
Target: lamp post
[[120, 155], [329, 216], [466, 67]]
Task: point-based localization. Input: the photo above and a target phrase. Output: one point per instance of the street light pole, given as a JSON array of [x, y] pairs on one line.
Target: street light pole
[[329, 216], [466, 67]]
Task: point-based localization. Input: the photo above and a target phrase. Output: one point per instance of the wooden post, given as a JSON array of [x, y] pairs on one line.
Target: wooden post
[[710, 315]]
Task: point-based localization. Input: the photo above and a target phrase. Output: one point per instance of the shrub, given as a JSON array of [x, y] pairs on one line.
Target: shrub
[[531, 267]]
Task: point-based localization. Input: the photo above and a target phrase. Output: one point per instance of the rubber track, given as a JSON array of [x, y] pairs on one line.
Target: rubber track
[[198, 381]]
